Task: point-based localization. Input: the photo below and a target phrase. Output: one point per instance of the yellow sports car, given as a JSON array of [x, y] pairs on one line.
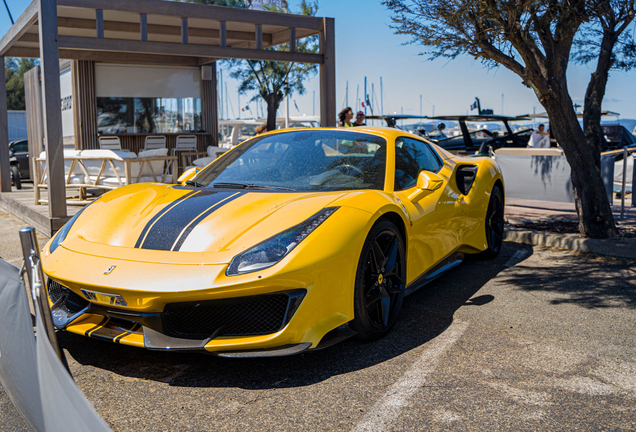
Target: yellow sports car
[[292, 241]]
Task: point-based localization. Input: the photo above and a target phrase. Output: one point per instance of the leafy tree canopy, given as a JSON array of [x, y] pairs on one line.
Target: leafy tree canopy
[[536, 39], [14, 70], [272, 80]]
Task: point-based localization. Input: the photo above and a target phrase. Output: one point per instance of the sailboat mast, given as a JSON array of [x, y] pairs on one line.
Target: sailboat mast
[[381, 98]]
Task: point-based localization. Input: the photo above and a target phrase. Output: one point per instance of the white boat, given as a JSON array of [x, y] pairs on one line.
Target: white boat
[[236, 131]]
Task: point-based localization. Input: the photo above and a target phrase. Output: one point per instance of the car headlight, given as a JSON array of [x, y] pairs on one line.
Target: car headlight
[[63, 232], [274, 249]]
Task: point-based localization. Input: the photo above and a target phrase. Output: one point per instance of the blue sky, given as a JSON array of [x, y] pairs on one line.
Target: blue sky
[[366, 46]]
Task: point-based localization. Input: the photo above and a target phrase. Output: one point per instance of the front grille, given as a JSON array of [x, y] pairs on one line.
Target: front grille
[[71, 303], [240, 316]]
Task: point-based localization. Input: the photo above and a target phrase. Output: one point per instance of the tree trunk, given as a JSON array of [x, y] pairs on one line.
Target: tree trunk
[[594, 98], [273, 102], [595, 215]]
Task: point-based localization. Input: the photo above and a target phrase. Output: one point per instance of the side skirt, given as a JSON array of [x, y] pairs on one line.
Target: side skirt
[[436, 271]]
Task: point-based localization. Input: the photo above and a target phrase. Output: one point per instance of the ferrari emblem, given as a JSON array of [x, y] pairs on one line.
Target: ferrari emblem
[[109, 270], [380, 279]]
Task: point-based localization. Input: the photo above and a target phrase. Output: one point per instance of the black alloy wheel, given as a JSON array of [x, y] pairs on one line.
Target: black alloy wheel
[[494, 224], [380, 282]]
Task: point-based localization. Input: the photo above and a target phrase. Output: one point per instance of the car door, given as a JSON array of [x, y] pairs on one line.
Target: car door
[[436, 218], [21, 152]]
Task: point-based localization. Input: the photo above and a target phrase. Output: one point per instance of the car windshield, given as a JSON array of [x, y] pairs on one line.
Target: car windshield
[[302, 160]]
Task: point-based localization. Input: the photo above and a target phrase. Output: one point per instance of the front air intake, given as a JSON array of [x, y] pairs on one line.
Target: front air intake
[[239, 316]]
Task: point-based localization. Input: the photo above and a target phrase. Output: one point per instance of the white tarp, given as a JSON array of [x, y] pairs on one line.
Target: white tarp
[[42, 390]]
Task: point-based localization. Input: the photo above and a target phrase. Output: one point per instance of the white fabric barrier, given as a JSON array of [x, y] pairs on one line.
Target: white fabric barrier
[[37, 383], [618, 175]]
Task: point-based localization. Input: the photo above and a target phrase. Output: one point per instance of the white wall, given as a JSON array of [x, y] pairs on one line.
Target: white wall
[[66, 92], [147, 81], [17, 125]]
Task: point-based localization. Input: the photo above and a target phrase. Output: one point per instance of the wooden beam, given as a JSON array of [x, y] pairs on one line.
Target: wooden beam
[[192, 50], [110, 57], [160, 29], [184, 31], [5, 173], [292, 40], [29, 37], [50, 63], [26, 20], [191, 10], [223, 34], [328, 75], [99, 23], [143, 27], [259, 37]]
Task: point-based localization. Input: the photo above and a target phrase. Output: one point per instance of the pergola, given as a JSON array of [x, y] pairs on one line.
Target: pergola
[[148, 32]]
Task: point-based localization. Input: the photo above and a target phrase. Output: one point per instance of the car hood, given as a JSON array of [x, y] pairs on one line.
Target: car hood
[[162, 223]]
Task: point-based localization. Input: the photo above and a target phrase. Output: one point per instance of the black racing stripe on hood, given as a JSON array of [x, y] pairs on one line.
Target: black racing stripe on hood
[[172, 228], [158, 215]]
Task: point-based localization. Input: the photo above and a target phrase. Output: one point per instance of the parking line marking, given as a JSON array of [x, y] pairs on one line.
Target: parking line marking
[[519, 256], [387, 409]]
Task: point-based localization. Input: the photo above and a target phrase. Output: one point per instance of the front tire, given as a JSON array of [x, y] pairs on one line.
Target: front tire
[[15, 176], [380, 282], [494, 224]]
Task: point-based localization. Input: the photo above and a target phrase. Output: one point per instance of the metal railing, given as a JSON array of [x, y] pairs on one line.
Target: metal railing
[[32, 262], [625, 152]]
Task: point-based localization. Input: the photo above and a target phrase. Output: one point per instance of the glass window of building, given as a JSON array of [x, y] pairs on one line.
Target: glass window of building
[[148, 115]]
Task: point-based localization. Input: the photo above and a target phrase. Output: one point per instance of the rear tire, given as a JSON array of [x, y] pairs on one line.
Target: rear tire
[[494, 224], [380, 282], [15, 176]]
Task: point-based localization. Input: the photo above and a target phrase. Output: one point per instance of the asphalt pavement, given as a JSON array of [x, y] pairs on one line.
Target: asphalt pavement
[[537, 339]]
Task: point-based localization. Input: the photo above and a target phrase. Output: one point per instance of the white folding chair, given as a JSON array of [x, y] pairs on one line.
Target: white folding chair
[[185, 143], [153, 142], [109, 143]]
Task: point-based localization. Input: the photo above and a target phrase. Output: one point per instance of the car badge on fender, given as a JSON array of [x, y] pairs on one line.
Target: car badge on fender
[[110, 269]]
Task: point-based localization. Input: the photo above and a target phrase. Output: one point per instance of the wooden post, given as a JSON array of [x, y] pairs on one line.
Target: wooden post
[[143, 27], [292, 39], [259, 36], [33, 102], [223, 34], [209, 109], [184, 31], [5, 173], [50, 64], [328, 74], [99, 23]]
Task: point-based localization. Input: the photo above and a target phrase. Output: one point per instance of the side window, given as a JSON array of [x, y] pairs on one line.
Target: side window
[[411, 157], [21, 147]]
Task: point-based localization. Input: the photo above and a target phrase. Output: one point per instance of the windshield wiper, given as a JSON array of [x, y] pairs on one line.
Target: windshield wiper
[[248, 186], [195, 184]]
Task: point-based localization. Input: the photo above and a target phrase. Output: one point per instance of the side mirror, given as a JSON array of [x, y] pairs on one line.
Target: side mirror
[[426, 183], [188, 175]]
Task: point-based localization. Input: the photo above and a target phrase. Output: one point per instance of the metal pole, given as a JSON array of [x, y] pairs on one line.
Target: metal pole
[[625, 154], [31, 253], [634, 181], [9, 12], [365, 96], [287, 106], [381, 97]]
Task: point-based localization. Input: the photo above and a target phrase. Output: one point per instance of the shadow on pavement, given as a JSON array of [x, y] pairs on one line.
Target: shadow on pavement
[[425, 315], [583, 281]]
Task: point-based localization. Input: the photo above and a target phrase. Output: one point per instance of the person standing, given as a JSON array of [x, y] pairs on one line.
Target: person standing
[[539, 138], [360, 119], [345, 117]]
